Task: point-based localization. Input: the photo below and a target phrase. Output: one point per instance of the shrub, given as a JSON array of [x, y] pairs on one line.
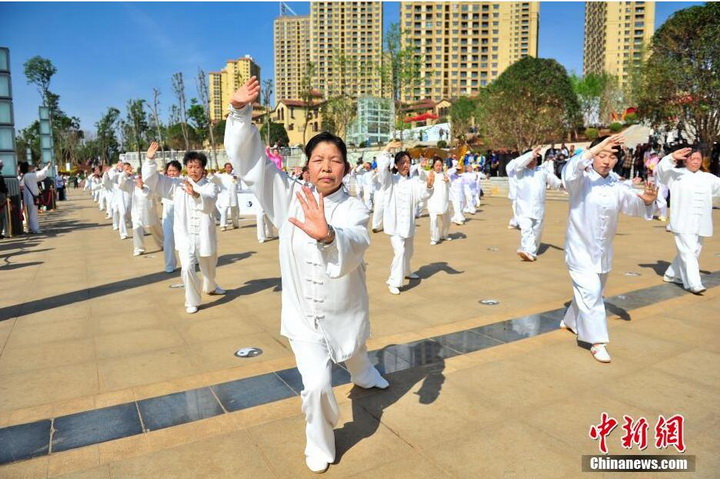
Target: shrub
[[442, 144], [631, 118], [615, 127], [591, 133]]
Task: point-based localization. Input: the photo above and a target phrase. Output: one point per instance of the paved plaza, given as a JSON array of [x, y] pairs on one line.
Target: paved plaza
[[104, 375]]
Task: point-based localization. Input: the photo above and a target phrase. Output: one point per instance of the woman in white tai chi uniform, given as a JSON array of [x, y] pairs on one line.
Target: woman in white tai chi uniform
[[194, 223], [691, 191], [323, 238], [597, 197], [402, 195], [531, 181], [172, 170], [438, 204]]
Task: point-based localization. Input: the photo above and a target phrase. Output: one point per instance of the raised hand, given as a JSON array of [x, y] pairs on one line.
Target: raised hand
[[247, 93], [393, 145], [431, 179], [315, 225], [152, 150], [536, 151], [649, 194], [189, 189], [681, 154], [607, 143]]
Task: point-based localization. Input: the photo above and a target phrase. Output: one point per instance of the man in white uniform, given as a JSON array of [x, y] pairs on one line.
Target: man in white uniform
[[691, 192], [30, 179], [227, 198], [323, 238], [597, 197], [194, 223], [531, 181]]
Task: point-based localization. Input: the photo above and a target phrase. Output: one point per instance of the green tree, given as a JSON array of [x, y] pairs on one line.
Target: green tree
[[531, 102], [341, 107], [136, 126], [681, 79], [108, 145], [275, 132], [198, 120], [461, 115], [399, 71], [39, 72]]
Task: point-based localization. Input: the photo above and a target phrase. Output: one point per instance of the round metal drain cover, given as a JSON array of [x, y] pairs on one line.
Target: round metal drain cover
[[248, 352], [176, 286], [489, 302], [632, 273]]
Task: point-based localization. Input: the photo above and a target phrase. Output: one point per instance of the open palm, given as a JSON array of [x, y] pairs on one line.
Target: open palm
[[247, 93]]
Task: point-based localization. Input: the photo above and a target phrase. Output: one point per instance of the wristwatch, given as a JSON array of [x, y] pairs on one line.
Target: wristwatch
[[329, 237]]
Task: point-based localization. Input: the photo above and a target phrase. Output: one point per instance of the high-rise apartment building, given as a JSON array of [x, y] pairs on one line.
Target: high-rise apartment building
[[346, 40], [291, 36], [223, 84], [617, 36], [463, 46]]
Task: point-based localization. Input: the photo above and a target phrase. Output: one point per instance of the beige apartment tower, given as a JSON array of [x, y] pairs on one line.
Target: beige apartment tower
[[346, 40], [464, 46], [617, 36], [291, 36], [223, 84]]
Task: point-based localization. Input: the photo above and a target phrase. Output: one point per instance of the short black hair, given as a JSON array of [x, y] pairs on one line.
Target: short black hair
[[326, 137], [174, 163], [195, 155], [619, 153], [435, 159], [24, 167], [400, 155]]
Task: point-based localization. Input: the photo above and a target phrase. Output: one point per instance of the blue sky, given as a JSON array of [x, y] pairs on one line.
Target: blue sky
[[108, 53]]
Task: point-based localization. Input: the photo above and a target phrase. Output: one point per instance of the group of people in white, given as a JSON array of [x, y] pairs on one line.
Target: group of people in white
[[324, 232]]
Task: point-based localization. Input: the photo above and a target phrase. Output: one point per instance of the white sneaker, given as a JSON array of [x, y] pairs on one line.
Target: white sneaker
[[393, 290], [447, 238], [138, 252], [191, 309], [600, 353], [123, 237], [412, 276], [317, 466], [566, 327], [261, 241], [433, 243], [671, 279], [222, 228], [697, 289], [218, 291]]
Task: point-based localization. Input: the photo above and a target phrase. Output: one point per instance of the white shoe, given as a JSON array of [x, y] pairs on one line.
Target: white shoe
[[123, 237], [600, 353], [261, 241], [218, 291], [433, 243], [566, 327], [697, 289], [191, 309], [222, 228], [447, 238], [393, 290], [317, 466], [138, 252], [412, 276], [526, 256], [671, 279]]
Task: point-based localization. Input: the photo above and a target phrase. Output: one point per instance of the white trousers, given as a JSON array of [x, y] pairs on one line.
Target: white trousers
[[530, 233], [586, 314], [33, 223], [120, 219], [190, 278], [514, 220], [139, 235], [368, 197], [379, 209], [403, 250], [470, 203], [265, 228], [439, 225], [457, 206], [234, 216], [685, 265], [169, 244], [318, 400]]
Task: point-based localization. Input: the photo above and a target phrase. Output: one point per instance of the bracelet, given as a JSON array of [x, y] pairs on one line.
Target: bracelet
[[329, 237]]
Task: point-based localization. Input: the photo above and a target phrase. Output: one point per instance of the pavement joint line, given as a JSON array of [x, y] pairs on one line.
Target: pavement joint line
[[25, 441]]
